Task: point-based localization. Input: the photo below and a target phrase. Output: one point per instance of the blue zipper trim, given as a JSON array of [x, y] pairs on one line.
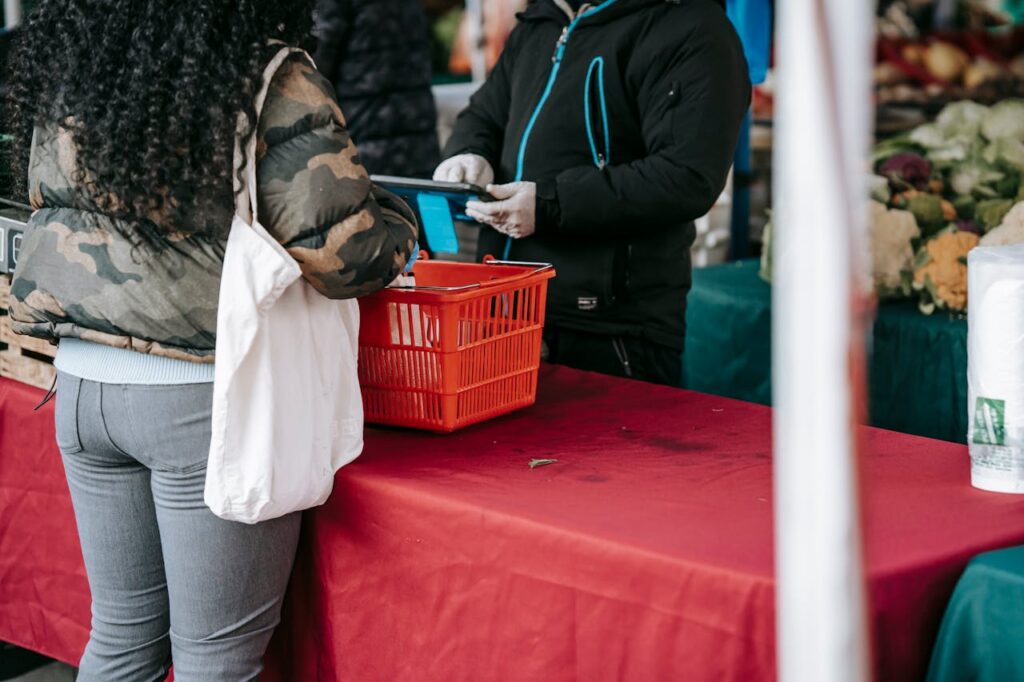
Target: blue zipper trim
[[597, 65], [559, 53], [563, 42], [604, 115]]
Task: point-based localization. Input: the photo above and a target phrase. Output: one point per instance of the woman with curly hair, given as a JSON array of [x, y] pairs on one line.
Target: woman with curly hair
[[127, 113]]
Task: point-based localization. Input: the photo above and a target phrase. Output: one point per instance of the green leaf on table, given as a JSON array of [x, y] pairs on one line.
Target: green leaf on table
[[535, 463]]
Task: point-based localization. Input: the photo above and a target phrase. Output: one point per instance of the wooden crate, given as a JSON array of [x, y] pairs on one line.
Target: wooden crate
[[23, 358], [27, 369]]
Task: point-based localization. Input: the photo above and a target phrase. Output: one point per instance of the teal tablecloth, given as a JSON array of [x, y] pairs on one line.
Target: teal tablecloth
[[982, 634], [918, 363]]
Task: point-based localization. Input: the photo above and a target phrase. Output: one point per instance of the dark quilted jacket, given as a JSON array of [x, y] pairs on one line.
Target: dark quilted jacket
[[81, 274], [630, 136], [377, 53]]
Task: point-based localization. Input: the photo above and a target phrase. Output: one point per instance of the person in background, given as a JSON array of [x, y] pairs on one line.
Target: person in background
[[377, 53], [609, 128], [131, 112]]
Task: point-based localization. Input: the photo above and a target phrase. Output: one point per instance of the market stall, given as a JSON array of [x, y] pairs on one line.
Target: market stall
[[617, 530], [646, 545]]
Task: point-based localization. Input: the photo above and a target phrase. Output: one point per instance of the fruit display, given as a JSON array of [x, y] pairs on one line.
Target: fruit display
[[983, 66]]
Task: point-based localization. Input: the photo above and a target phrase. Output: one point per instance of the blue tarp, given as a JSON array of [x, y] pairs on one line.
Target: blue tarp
[[753, 22]]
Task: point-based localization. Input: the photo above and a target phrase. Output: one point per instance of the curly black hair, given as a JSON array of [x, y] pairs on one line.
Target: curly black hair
[[153, 93]]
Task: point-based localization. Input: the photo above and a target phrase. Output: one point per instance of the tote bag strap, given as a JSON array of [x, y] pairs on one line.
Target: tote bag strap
[[246, 202]]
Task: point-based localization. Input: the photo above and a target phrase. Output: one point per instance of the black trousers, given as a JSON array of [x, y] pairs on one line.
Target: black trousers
[[615, 356]]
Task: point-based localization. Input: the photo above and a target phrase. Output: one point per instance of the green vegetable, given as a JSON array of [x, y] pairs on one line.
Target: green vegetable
[[535, 463], [929, 136], [975, 177], [1005, 151], [894, 145], [953, 151], [965, 207], [991, 212], [1010, 231], [927, 210], [1009, 186], [1005, 120], [964, 117]]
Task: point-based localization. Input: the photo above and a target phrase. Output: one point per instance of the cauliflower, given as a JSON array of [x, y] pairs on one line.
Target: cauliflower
[[940, 273], [1011, 231], [892, 255]]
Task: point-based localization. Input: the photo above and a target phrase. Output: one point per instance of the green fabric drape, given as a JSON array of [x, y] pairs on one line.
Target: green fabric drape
[[918, 363], [983, 630]]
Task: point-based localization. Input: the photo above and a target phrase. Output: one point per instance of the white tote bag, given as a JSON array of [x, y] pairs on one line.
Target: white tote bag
[[287, 413]]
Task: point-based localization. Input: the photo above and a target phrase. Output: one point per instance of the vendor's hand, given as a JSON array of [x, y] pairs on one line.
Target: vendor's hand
[[515, 212], [471, 168]]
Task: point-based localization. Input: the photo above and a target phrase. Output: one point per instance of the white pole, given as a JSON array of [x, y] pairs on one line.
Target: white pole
[[823, 121], [12, 13], [477, 40]]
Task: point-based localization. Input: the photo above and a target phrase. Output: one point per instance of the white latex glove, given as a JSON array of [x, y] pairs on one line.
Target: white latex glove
[[515, 212], [471, 168]]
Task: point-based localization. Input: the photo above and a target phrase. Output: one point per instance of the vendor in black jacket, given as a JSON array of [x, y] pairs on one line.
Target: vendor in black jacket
[[610, 128]]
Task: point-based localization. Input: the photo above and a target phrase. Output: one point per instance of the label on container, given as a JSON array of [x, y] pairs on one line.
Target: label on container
[[989, 422]]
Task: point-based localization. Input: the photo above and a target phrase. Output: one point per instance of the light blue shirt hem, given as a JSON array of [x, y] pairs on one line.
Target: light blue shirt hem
[[108, 365]]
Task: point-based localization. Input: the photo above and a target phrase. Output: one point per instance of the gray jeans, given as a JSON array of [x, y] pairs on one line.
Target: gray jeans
[[170, 581]]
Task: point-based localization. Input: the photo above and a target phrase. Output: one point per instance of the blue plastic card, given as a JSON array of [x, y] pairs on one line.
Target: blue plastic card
[[438, 223]]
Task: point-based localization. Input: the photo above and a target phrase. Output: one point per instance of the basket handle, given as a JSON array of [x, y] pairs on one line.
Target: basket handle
[[488, 260], [537, 267], [464, 287]]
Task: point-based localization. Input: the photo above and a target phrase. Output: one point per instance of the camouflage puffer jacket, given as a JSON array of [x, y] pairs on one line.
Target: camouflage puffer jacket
[[79, 276]]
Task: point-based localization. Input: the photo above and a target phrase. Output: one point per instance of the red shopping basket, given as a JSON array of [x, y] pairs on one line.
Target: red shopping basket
[[460, 347]]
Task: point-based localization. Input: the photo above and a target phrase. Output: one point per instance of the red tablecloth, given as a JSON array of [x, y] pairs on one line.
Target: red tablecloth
[[645, 553]]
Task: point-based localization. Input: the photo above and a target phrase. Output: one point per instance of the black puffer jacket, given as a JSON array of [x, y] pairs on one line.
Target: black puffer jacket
[[377, 53], [626, 116]]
